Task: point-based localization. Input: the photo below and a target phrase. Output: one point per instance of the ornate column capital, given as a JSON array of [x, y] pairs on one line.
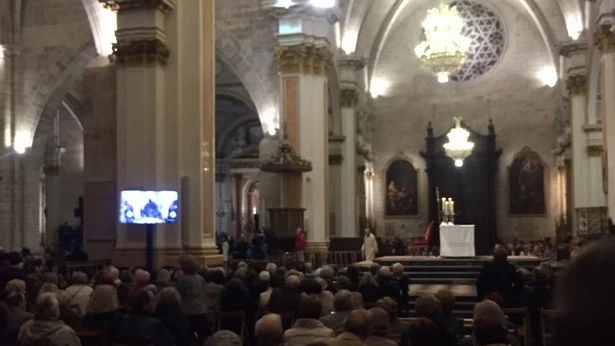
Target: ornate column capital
[[576, 84], [349, 97], [352, 63], [167, 6], [303, 59], [604, 38], [569, 49], [141, 52]]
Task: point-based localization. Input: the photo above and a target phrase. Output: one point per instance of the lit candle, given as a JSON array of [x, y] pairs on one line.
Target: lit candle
[[443, 206], [446, 207], [452, 207]]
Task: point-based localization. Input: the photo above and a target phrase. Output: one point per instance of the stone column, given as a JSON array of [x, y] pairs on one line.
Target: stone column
[[604, 38], [165, 122], [269, 183], [348, 68], [303, 67], [337, 179]]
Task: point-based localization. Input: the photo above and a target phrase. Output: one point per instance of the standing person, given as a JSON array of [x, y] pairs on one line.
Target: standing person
[[370, 246], [300, 246]]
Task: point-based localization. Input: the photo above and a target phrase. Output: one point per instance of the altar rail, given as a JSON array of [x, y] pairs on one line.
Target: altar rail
[[338, 258]]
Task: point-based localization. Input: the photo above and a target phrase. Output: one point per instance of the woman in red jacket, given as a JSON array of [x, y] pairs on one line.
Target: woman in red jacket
[[300, 246]]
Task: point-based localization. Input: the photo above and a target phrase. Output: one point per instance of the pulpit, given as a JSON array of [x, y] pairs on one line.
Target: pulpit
[[472, 185], [285, 221]]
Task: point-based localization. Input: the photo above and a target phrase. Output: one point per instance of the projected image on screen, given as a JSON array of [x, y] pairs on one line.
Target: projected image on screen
[[148, 207]]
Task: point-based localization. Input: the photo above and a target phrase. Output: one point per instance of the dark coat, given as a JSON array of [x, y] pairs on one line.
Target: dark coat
[[142, 329], [283, 301], [177, 325], [501, 278]]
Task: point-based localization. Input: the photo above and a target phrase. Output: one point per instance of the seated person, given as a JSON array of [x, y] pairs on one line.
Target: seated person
[[141, 327], [15, 317], [46, 327], [103, 309], [169, 312]]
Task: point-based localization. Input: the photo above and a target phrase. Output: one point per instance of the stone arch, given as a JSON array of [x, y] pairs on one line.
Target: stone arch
[[52, 86], [231, 52]]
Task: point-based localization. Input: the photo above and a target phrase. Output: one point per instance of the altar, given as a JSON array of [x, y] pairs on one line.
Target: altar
[[457, 241]]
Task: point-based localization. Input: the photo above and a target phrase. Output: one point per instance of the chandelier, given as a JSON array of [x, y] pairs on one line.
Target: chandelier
[[458, 148], [444, 49]]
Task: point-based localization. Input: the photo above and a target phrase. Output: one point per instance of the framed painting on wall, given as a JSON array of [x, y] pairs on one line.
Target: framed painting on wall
[[526, 184], [401, 195]]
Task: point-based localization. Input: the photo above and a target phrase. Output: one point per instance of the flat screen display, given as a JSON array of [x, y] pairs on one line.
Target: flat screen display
[[148, 207]]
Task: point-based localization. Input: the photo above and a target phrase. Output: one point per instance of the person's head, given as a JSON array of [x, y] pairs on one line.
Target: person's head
[[390, 306], [15, 286], [142, 277], [104, 278], [268, 330], [342, 301], [488, 333], [188, 264], [79, 278], [224, 338], [584, 298], [15, 258], [381, 323], [103, 299], [163, 277], [272, 268], [500, 255], [292, 283], [299, 230], [307, 268], [16, 300], [384, 271], [47, 307], [357, 300], [264, 277], [309, 306], [424, 332], [114, 272], [368, 279], [428, 306], [48, 287], [447, 300], [359, 323], [496, 298], [398, 268], [215, 276], [64, 300], [242, 264], [326, 273], [169, 297], [489, 311], [144, 302], [367, 232], [310, 286], [344, 283], [374, 269]]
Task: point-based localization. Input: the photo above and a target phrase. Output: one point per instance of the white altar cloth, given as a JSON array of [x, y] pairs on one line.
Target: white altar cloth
[[457, 241]]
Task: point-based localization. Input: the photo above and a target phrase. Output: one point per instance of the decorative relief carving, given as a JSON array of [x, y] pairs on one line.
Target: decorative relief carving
[[571, 48], [604, 38], [336, 159], [576, 84], [123, 5], [141, 52], [349, 97], [594, 150], [303, 59]]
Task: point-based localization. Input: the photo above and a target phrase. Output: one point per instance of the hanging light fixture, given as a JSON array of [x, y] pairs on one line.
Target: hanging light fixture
[[444, 49], [458, 147]]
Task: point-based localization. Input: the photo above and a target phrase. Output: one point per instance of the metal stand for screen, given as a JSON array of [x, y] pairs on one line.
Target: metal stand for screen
[[150, 229]]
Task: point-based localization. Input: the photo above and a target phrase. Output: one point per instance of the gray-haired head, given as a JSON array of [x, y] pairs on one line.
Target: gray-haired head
[[326, 272], [292, 282], [264, 277], [268, 330], [80, 278], [343, 301], [272, 268], [223, 338], [384, 271], [398, 268], [242, 264], [115, 273], [47, 307]]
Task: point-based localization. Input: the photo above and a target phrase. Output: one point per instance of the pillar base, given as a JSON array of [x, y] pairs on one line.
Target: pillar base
[[317, 247], [166, 257]]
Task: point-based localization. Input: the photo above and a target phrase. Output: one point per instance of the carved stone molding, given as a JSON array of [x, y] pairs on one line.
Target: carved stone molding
[[336, 159], [166, 6], [349, 97], [303, 59], [572, 48], [595, 150], [141, 52], [576, 84], [337, 138], [352, 63], [604, 38]]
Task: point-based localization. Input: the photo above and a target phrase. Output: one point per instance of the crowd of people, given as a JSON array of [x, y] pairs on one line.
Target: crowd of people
[[263, 304]]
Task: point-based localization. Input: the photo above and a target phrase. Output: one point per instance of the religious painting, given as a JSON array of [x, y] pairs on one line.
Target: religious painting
[[526, 184], [401, 189]]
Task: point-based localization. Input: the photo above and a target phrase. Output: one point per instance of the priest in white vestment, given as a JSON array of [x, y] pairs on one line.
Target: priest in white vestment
[[370, 246]]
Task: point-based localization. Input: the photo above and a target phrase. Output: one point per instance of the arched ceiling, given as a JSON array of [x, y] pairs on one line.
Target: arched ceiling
[[369, 24]]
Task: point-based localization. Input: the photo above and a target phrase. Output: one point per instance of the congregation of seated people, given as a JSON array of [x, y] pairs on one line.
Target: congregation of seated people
[[263, 304]]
